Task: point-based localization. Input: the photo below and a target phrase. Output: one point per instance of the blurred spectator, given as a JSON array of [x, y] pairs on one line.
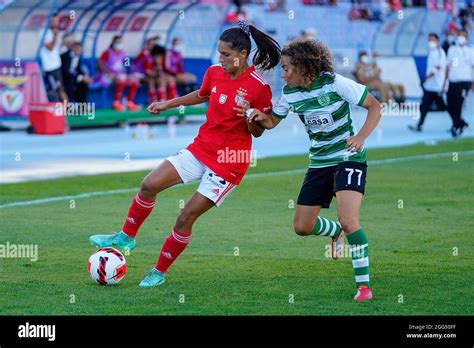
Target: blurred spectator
[[453, 25], [51, 59], [234, 17], [174, 66], [460, 64], [307, 34], [449, 40], [395, 5], [143, 70], [112, 71], [368, 74], [166, 83], [67, 42], [75, 78], [433, 81]]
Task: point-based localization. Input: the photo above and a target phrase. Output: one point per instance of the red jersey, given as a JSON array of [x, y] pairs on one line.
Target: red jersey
[[224, 142]]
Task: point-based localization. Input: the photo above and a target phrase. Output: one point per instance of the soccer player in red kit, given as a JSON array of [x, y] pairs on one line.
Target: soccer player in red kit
[[211, 158]]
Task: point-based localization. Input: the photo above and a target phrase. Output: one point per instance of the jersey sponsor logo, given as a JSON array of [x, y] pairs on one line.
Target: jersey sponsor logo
[[216, 191], [324, 99], [216, 180], [131, 220], [222, 98], [317, 121], [214, 89]]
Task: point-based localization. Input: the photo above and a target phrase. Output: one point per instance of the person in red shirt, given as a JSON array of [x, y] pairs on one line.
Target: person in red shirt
[[220, 154], [142, 69], [112, 70]]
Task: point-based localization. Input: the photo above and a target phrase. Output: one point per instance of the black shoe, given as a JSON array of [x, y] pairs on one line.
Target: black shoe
[[414, 128], [455, 132], [463, 128]]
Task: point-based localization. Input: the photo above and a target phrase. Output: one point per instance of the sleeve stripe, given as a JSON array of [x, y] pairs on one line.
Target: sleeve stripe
[[257, 78], [364, 95]]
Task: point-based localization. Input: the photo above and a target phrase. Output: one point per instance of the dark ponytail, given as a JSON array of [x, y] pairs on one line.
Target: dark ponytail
[[268, 49]]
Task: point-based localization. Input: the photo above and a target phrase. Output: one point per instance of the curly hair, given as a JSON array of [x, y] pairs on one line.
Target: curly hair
[[310, 57]]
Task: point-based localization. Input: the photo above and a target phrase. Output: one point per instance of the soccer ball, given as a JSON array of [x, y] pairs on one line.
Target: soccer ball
[[107, 266]]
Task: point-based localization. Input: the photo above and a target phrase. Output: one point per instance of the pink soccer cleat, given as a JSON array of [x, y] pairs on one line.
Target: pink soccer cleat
[[363, 293]]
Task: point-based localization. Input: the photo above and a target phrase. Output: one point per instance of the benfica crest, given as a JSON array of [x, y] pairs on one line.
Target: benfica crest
[[240, 96]]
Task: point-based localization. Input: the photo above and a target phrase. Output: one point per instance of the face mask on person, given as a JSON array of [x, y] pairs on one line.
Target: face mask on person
[[451, 39], [432, 45], [461, 40], [117, 46], [178, 48], [364, 59]]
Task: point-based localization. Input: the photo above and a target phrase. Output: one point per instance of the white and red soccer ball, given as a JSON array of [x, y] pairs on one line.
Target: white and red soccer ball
[[107, 266]]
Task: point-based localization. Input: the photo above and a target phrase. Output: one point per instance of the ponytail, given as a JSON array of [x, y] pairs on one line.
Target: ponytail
[[268, 49]]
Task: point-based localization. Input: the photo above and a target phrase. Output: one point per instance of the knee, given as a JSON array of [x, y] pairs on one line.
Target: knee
[[301, 228], [349, 224], [147, 189], [186, 217]]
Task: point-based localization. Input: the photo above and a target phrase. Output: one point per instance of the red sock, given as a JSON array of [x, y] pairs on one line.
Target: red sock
[[119, 90], [172, 247], [161, 93], [152, 95], [137, 213], [132, 90], [172, 91]]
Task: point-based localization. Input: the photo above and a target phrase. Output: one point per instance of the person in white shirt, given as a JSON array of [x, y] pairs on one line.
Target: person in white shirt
[[459, 74], [433, 81], [51, 59]]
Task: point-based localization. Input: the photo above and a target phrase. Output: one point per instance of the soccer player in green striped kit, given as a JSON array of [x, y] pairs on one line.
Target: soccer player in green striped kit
[[337, 167]]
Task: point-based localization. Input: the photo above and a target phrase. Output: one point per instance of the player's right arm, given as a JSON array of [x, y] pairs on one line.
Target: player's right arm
[[192, 98], [267, 121], [280, 110]]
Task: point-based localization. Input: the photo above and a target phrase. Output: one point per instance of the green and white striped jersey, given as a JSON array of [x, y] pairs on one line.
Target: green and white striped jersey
[[325, 110]]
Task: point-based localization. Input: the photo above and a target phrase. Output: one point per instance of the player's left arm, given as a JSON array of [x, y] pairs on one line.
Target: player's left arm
[[356, 142]]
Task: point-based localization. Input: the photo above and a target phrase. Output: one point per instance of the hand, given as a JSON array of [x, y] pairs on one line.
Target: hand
[[355, 143], [87, 80], [157, 107], [257, 115]]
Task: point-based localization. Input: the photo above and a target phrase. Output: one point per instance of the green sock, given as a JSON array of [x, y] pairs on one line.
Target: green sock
[[325, 227], [359, 247]]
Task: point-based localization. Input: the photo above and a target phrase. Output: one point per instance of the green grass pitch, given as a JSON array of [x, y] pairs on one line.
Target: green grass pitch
[[421, 255]]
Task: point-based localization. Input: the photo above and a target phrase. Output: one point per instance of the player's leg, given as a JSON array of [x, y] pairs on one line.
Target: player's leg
[[162, 82], [454, 99], [425, 105], [172, 89], [150, 82], [120, 84], [350, 186], [132, 82], [462, 122], [159, 179], [178, 240], [316, 193], [211, 192]]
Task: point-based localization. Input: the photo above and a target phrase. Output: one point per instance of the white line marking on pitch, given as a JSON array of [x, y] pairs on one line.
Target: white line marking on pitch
[[249, 176]]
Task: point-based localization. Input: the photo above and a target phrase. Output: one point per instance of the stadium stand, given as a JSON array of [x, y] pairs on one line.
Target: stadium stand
[[94, 23]]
